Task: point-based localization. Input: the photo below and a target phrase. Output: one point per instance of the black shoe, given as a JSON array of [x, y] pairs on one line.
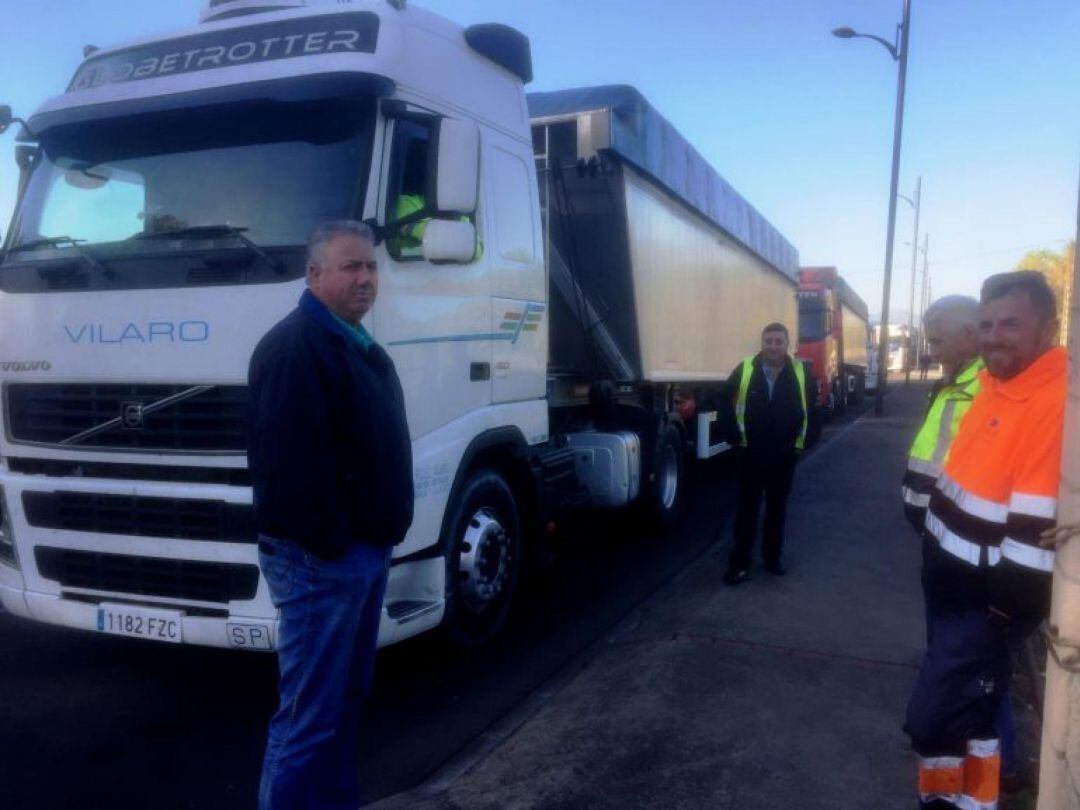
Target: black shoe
[[775, 568], [736, 576]]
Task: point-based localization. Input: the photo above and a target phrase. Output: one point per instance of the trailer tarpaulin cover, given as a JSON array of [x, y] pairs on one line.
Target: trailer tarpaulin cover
[[643, 137]]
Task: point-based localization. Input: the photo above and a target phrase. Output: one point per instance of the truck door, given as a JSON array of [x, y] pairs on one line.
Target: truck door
[[435, 320]]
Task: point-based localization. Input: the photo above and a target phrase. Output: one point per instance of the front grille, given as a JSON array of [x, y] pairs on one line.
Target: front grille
[[148, 576], [140, 516], [57, 468], [202, 419]]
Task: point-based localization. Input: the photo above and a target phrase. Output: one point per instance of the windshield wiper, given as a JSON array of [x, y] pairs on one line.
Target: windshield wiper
[[73, 243], [212, 231]]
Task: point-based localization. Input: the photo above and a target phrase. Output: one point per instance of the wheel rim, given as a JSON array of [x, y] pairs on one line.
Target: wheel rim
[[669, 477], [485, 562]]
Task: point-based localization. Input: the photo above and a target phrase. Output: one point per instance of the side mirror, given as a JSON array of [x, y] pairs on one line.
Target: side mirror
[[457, 175], [449, 241]]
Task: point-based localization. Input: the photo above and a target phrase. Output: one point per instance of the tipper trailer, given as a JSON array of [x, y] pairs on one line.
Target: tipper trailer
[[585, 281], [834, 333]]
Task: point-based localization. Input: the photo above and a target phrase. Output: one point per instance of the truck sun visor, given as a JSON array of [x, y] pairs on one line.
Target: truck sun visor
[[289, 90], [505, 46]]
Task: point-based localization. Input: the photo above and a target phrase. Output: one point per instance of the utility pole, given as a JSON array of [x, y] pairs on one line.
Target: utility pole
[[913, 345], [924, 301]]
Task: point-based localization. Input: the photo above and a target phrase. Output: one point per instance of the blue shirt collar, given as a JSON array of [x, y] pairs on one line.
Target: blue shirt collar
[[320, 312]]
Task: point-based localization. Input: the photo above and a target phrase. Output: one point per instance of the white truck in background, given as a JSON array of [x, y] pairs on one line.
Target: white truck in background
[[164, 203]]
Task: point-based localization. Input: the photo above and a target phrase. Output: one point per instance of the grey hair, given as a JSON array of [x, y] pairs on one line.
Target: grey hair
[[325, 232], [957, 311]]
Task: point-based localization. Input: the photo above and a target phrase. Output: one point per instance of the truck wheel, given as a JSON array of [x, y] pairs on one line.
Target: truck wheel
[[483, 559], [664, 495], [839, 397]]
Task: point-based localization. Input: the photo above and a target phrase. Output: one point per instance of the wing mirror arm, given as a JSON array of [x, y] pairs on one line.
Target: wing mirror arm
[[7, 119]]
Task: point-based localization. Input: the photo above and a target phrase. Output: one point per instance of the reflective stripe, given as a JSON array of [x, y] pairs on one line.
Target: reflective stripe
[[740, 403], [970, 803], [983, 748], [945, 432], [982, 775], [993, 555], [1033, 505], [953, 543], [971, 503], [919, 500], [924, 467], [800, 378], [941, 778], [1041, 559]]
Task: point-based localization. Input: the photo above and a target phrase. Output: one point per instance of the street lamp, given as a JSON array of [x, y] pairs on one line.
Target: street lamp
[[915, 204], [899, 52]]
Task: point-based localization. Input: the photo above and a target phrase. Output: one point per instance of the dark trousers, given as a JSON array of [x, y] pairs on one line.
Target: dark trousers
[[1005, 721], [327, 632], [768, 474]]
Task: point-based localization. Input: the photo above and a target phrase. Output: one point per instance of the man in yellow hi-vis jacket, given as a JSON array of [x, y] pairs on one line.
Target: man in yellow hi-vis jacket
[[771, 395], [952, 332]]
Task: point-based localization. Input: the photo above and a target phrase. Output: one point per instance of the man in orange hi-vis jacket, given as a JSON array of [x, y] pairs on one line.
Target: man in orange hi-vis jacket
[[988, 573]]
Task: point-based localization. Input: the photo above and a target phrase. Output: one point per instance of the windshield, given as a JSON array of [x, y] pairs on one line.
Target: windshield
[[813, 320], [274, 170]]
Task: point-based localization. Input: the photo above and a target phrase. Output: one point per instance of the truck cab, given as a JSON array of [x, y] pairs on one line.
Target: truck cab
[[167, 198], [833, 337]]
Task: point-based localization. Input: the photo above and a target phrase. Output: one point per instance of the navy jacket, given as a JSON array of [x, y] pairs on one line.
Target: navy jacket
[[329, 447]]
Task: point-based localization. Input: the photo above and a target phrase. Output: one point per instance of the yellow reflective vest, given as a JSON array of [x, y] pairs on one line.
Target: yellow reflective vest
[[744, 388], [928, 453]]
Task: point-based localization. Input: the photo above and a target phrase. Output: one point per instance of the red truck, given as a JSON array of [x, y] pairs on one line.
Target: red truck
[[833, 337]]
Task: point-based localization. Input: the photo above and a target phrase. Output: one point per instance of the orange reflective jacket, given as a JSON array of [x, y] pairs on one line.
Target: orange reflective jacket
[[999, 489]]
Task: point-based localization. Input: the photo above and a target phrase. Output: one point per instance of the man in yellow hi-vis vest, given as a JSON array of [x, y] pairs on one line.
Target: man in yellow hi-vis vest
[[772, 410], [952, 333]]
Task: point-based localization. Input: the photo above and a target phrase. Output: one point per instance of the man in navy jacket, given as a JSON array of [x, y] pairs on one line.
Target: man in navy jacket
[[331, 463], [772, 396]]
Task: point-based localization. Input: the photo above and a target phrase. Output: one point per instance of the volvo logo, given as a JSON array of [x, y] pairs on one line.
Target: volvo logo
[[131, 415]]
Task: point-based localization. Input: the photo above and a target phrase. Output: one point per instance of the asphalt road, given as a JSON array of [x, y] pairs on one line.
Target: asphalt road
[[93, 721]]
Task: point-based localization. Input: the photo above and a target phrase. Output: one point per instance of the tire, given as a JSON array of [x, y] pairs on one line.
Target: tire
[[483, 559], [859, 394], [839, 396], [663, 496]]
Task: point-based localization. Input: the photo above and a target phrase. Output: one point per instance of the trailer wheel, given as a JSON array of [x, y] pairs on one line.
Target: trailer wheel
[[483, 560], [839, 396], [664, 496]]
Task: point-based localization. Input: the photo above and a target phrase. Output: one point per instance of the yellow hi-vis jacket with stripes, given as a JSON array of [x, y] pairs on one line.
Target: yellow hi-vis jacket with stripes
[[926, 459], [745, 374]]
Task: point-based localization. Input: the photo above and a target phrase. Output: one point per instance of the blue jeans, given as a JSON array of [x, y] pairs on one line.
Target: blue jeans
[[329, 624]]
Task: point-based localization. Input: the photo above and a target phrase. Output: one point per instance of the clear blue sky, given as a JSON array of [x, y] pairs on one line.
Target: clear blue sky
[[798, 121]]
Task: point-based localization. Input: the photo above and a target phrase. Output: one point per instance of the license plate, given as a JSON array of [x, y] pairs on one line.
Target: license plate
[[247, 636], [123, 620]]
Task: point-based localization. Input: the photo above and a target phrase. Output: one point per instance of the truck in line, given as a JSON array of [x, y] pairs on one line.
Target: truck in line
[[585, 284], [833, 337]]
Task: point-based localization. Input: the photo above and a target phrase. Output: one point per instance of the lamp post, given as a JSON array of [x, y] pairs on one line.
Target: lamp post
[[898, 50], [912, 344]]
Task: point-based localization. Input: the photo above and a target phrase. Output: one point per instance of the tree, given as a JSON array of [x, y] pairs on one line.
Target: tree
[[1058, 269]]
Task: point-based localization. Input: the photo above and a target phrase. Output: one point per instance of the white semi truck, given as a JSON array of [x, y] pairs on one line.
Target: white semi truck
[[586, 281]]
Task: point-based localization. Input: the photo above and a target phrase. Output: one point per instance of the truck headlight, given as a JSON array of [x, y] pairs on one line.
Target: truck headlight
[[7, 540]]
